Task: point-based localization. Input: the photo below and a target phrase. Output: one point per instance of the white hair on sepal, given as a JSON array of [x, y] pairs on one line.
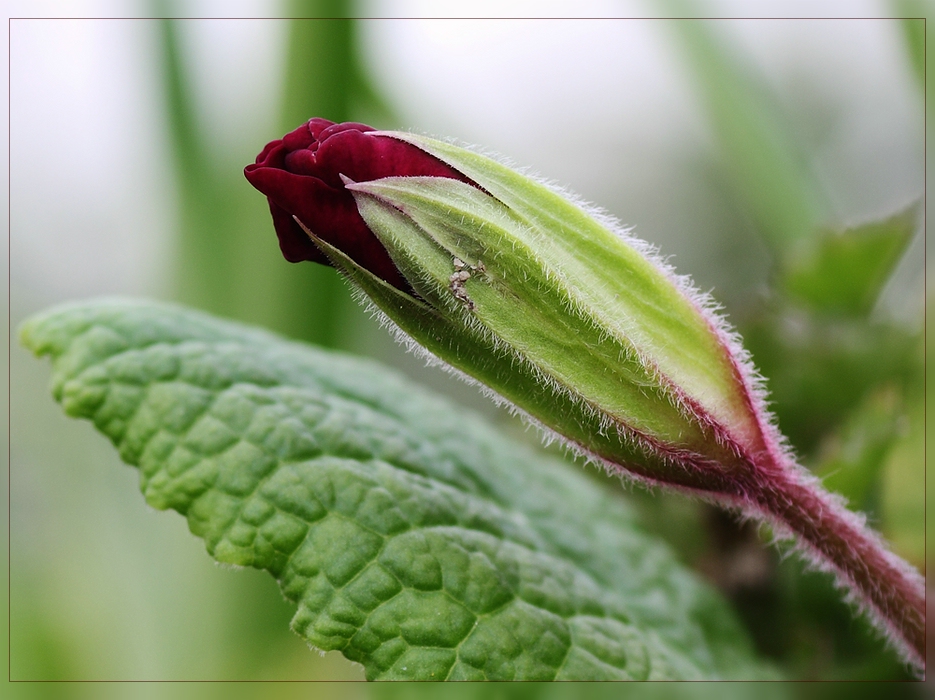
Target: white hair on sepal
[[752, 381], [606, 426]]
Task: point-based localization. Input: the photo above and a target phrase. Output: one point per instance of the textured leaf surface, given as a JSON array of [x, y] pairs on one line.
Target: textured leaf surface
[[411, 535]]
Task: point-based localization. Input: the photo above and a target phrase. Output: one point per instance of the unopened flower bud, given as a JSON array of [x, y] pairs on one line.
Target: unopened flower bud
[[571, 321]]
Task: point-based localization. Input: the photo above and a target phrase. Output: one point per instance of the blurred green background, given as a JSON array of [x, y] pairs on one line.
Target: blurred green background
[[780, 162]]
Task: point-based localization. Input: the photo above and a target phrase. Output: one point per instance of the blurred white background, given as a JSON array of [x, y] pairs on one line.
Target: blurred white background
[[603, 107]]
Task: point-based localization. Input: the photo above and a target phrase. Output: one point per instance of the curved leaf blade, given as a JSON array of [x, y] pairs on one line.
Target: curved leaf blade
[[412, 537]]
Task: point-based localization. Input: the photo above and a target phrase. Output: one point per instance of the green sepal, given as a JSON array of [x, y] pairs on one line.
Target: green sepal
[[457, 342], [533, 313], [623, 289]]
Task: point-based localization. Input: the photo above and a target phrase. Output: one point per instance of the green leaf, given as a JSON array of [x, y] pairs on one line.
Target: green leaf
[[902, 497], [844, 271], [411, 536]]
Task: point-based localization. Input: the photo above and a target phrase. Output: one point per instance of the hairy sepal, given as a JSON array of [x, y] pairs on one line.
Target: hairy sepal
[[459, 343], [534, 310], [629, 291]]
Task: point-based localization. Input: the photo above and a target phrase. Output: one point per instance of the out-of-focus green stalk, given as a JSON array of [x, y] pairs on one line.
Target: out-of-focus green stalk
[[913, 14], [914, 30], [228, 261], [216, 267], [767, 167], [204, 253], [321, 62], [310, 299]]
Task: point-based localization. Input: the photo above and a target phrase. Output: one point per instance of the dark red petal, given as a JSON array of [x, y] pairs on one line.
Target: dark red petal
[[271, 155], [299, 138], [330, 213], [301, 175], [363, 157], [304, 162], [294, 243], [344, 126], [317, 125]]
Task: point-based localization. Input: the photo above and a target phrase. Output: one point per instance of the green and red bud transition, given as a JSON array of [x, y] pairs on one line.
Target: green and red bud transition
[[321, 177], [301, 176], [571, 321]]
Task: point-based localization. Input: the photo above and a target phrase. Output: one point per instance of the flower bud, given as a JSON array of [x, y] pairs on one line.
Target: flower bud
[[572, 322], [301, 176]]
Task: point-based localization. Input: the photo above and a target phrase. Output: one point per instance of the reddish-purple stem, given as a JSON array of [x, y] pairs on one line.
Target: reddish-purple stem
[[771, 487], [890, 589]]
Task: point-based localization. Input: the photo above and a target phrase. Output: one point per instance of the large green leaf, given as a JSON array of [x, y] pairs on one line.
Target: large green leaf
[[412, 536]]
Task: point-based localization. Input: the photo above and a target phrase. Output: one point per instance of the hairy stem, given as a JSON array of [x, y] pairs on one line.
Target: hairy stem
[[835, 539], [774, 489]]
